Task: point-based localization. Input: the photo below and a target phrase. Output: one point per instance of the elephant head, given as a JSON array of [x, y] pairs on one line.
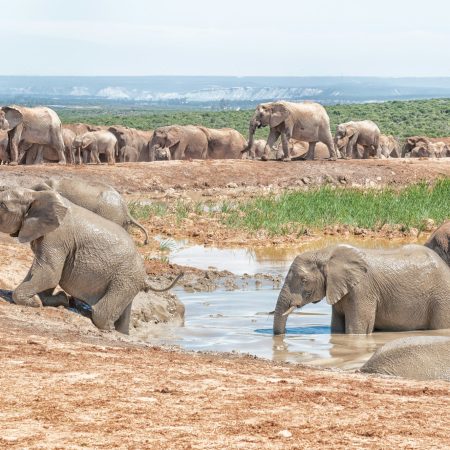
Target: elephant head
[[412, 142], [344, 132], [121, 134], [164, 137], [10, 117], [329, 273], [29, 214]]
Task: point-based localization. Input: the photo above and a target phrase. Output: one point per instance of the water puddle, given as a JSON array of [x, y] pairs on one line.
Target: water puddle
[[239, 320]]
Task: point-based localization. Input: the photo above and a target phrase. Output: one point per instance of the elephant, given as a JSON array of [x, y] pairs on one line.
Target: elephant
[[306, 121], [422, 148], [92, 259], [68, 138], [37, 125], [224, 143], [97, 197], [128, 153], [439, 241], [401, 289], [4, 158], [256, 150], [184, 142], [389, 147], [97, 143], [364, 133], [418, 357], [162, 154], [134, 138]]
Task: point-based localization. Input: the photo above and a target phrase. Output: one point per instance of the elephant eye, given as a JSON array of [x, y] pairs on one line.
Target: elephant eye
[[3, 205]]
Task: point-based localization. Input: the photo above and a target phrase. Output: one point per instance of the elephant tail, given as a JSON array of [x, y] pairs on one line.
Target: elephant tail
[[116, 149], [138, 225], [149, 287]]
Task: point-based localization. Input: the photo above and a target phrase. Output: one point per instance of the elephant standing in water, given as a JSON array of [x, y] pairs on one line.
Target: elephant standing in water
[[439, 241], [224, 143], [418, 357], [402, 289], [38, 125], [91, 258], [305, 121], [97, 197], [183, 141], [364, 133]]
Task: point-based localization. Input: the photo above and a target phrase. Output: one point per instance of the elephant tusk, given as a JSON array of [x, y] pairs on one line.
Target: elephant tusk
[[289, 311]]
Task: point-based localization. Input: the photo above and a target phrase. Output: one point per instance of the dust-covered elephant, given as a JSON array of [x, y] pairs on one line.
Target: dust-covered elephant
[[128, 153], [131, 137], [364, 133], [439, 241], [97, 197], [37, 125], [305, 121], [224, 143], [91, 258], [4, 157], [183, 141], [418, 357], [389, 147], [256, 150], [401, 289], [96, 143]]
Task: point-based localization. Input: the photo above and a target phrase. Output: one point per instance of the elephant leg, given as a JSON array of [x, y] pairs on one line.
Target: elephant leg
[[58, 145], [49, 299], [39, 154], [360, 315], [366, 153], [337, 322], [285, 145], [122, 324], [13, 144], [273, 137], [352, 144], [330, 145], [311, 151]]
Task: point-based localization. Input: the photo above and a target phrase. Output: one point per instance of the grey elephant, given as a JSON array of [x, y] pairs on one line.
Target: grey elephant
[[305, 121], [418, 357], [439, 241], [132, 137], [224, 143], [37, 125], [364, 133], [96, 143], [183, 141], [91, 258], [128, 153], [97, 197], [389, 147], [402, 289]]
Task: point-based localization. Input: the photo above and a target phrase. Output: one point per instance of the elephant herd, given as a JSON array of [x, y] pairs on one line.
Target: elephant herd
[[35, 135]]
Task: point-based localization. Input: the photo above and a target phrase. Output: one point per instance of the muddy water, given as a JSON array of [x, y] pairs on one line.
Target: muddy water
[[239, 320]]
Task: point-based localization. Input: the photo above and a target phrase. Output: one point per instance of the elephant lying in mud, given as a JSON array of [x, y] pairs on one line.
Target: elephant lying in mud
[[439, 241], [97, 197], [91, 258], [402, 289], [418, 357]]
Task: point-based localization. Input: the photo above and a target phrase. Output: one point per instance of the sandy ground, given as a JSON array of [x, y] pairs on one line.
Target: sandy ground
[[65, 384]]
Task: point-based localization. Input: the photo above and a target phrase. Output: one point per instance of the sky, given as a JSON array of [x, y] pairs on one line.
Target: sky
[[234, 37]]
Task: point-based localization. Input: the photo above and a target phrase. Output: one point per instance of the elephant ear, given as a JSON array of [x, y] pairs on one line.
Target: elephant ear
[[13, 116], [344, 270], [45, 214], [88, 139], [350, 131], [173, 136], [278, 114]]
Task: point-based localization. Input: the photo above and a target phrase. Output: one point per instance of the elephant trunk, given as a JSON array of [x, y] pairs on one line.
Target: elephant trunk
[[282, 310], [251, 135]]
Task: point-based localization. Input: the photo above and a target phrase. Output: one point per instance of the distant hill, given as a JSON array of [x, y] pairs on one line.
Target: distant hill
[[214, 92]]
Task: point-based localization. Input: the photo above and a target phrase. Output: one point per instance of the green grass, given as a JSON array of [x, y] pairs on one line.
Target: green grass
[[140, 211], [399, 118]]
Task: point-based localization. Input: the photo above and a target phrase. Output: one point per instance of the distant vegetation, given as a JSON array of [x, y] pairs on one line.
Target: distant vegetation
[[399, 118]]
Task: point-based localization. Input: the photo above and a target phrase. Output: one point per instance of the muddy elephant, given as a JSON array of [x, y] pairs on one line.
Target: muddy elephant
[[97, 197], [162, 154], [183, 141], [256, 150], [224, 143], [439, 241], [91, 258], [96, 143], [133, 138], [389, 147], [37, 125], [418, 357], [364, 133], [305, 121], [128, 153], [402, 289]]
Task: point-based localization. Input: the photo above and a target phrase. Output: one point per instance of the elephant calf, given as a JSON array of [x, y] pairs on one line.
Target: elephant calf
[[91, 258], [402, 289]]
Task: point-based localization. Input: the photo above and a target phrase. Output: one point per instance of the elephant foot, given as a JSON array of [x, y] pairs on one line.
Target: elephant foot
[[264, 158], [332, 158], [13, 163], [287, 159], [34, 302]]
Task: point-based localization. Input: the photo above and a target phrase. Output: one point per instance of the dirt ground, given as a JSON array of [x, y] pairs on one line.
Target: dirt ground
[[65, 384]]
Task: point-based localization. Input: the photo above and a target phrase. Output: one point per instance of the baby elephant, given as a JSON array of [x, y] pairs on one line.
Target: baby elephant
[[418, 357], [98, 197], [91, 258], [401, 289]]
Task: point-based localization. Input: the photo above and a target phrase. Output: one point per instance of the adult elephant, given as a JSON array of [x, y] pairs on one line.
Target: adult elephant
[[439, 241], [305, 121], [402, 289], [97, 197], [132, 137], [418, 357], [96, 143], [351, 134], [389, 147], [183, 141], [91, 258], [37, 125], [224, 143]]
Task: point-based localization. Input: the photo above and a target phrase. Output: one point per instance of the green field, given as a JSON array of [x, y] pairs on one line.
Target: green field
[[399, 118]]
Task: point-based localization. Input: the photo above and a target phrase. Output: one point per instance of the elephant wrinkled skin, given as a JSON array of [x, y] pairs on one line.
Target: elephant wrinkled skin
[[439, 241], [91, 258], [401, 289]]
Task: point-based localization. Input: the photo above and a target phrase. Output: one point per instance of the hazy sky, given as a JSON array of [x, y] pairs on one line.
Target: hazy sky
[[233, 37]]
